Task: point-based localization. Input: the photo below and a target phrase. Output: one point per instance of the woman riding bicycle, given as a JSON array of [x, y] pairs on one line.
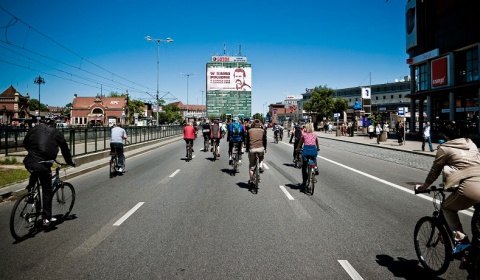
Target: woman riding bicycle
[[309, 141], [459, 159]]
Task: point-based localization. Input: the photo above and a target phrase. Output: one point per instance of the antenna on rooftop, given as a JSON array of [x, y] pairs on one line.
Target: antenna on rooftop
[[224, 49], [239, 50]]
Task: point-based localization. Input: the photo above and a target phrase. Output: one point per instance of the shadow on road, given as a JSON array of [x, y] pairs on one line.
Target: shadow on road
[[405, 269]]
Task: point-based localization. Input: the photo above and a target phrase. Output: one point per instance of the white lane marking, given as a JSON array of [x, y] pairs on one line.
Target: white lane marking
[[387, 183], [350, 270], [290, 197], [174, 173], [128, 214]]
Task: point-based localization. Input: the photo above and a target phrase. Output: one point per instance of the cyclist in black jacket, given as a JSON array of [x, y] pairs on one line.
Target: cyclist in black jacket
[[42, 143], [296, 134]]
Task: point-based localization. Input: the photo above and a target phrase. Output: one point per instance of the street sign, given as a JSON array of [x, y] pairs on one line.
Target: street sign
[[401, 111], [336, 115]]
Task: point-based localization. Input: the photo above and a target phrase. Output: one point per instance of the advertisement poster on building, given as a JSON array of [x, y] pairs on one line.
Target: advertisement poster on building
[[229, 79]]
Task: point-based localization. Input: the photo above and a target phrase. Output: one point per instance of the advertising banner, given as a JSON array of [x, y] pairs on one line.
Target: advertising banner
[[411, 22], [229, 79], [440, 72]]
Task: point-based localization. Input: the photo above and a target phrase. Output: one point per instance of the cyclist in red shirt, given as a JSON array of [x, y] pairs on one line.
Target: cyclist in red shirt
[[189, 135]]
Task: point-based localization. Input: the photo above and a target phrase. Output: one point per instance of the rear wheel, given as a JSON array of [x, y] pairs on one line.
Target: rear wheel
[[312, 184], [113, 166], [63, 200], [24, 217], [432, 245]]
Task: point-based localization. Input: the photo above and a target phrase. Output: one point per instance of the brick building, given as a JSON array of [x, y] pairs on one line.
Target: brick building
[[99, 110], [13, 106]]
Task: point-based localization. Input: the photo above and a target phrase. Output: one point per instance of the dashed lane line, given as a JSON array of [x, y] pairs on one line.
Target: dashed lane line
[[128, 214], [350, 270]]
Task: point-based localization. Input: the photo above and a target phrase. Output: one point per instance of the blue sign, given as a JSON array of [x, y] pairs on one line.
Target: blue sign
[[357, 106], [401, 111]]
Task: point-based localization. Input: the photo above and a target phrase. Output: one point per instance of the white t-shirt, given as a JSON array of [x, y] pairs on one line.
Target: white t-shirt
[[117, 135]]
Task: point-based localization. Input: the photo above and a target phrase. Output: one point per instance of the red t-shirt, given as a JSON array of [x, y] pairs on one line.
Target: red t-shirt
[[188, 132]]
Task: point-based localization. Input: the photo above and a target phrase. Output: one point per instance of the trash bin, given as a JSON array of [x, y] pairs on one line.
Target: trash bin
[[383, 137]]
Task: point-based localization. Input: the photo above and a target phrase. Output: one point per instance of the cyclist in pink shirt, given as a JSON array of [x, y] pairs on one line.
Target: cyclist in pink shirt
[[309, 141]]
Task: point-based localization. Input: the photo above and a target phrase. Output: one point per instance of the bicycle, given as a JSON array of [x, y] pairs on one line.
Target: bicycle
[[434, 240], [275, 134], [256, 175], [189, 152], [215, 148], [26, 216], [206, 143], [114, 166], [298, 159], [235, 158], [310, 184]]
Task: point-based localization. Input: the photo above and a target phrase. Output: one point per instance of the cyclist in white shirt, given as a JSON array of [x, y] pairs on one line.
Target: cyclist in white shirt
[[118, 134]]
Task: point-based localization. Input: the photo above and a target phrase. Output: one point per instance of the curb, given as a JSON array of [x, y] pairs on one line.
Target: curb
[[130, 151]]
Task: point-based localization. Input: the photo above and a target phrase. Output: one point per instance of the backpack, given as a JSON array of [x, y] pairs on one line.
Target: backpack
[[236, 129]]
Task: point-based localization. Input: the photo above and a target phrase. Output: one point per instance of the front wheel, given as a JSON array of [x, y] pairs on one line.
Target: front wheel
[[24, 217], [432, 245], [63, 200], [113, 166], [312, 177]]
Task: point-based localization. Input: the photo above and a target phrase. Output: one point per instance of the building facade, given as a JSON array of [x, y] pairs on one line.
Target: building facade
[[13, 106], [99, 110], [443, 46], [229, 86]]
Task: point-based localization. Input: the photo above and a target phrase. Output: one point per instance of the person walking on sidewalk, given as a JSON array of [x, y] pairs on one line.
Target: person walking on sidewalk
[[400, 133], [426, 137], [378, 132]]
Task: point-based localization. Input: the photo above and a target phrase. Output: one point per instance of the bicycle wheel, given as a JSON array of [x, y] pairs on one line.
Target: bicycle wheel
[[62, 200], [432, 245], [113, 166], [24, 217], [257, 175], [312, 177], [309, 174], [205, 145]]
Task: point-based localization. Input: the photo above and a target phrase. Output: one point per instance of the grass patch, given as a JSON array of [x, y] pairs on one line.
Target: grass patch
[[8, 160], [10, 176]]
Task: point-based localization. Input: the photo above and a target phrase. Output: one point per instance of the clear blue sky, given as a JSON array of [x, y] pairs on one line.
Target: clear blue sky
[[76, 46]]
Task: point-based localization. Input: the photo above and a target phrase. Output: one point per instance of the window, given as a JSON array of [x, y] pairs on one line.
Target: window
[[384, 97], [467, 66], [97, 111], [376, 97], [399, 96], [421, 77], [391, 96]]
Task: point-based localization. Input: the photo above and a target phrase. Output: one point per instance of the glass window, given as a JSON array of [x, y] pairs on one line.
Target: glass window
[[421, 77], [467, 66]]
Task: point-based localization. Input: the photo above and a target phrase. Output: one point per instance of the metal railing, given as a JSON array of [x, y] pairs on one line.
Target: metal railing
[[86, 140]]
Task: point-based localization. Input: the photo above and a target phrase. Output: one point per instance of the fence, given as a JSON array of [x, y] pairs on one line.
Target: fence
[[85, 140]]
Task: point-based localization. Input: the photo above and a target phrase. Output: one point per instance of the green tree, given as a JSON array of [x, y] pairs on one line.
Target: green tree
[[33, 105], [134, 106], [259, 116], [170, 114], [340, 105], [321, 102]]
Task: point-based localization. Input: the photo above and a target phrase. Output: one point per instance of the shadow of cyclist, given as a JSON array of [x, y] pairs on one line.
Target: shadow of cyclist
[[405, 269]]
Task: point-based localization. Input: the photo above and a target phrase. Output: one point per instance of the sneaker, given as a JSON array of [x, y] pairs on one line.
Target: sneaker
[[218, 155], [47, 222], [211, 149], [120, 170], [316, 170], [230, 161], [261, 169], [239, 161]]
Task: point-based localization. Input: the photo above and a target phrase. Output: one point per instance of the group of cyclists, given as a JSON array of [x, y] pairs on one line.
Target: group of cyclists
[[457, 158]]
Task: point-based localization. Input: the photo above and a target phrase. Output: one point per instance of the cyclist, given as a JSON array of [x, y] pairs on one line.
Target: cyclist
[[42, 143], [276, 129], [235, 135], [256, 142], [189, 135], [296, 135], [117, 136], [459, 159], [215, 136], [206, 132], [309, 141]]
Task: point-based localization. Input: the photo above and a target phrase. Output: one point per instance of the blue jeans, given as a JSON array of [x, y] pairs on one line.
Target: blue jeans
[[119, 148], [429, 143]]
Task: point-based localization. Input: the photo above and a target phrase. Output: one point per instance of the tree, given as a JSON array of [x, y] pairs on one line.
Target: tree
[[340, 105], [170, 114], [321, 102], [259, 116], [134, 106], [33, 105]]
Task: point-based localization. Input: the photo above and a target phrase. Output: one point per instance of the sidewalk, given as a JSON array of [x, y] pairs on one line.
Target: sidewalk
[[92, 162], [391, 143]]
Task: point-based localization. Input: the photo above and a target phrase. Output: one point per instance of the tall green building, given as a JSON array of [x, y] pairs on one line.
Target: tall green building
[[229, 86]]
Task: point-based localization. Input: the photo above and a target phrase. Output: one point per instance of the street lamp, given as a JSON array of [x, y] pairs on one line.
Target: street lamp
[[168, 40], [188, 75], [39, 80], [202, 91]]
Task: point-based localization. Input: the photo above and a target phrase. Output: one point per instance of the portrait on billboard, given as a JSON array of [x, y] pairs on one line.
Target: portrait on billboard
[[410, 20], [239, 77]]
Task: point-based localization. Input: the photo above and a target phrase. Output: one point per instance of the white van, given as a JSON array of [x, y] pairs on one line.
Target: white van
[[62, 125]]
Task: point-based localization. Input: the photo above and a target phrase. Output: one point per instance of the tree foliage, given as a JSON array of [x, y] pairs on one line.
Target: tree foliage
[[34, 105], [170, 114], [259, 116], [321, 102]]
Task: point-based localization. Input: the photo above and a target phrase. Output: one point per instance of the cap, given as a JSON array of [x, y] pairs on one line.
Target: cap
[[235, 118]]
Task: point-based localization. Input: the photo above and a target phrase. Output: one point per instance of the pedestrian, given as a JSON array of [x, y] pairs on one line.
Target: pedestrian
[[426, 137], [378, 132], [371, 130], [400, 133]]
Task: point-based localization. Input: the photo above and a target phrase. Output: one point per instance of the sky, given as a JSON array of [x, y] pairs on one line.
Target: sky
[[97, 47]]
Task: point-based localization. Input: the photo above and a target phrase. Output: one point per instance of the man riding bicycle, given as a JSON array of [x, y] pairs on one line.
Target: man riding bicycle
[[117, 136], [206, 131], [235, 136], [42, 143], [215, 136], [296, 135], [256, 143], [189, 135], [459, 159], [278, 131]]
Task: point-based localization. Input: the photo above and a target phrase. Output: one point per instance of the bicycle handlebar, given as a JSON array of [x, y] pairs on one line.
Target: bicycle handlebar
[[433, 188]]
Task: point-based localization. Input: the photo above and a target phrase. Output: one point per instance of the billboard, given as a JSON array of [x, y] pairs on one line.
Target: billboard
[[229, 79], [229, 59], [411, 23], [440, 72]]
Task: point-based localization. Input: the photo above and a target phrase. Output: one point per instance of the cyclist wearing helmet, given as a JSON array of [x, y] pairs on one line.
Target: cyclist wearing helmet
[[42, 143]]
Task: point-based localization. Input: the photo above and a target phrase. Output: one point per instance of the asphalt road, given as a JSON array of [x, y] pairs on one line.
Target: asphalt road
[[166, 218]]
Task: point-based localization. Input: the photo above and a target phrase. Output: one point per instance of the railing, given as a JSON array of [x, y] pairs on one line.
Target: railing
[[86, 140]]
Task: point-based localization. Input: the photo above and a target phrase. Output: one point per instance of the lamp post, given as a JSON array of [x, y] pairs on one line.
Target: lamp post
[[39, 80], [188, 75], [202, 91], [168, 40], [264, 116]]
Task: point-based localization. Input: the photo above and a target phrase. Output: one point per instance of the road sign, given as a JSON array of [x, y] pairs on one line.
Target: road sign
[[336, 115], [401, 111]]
